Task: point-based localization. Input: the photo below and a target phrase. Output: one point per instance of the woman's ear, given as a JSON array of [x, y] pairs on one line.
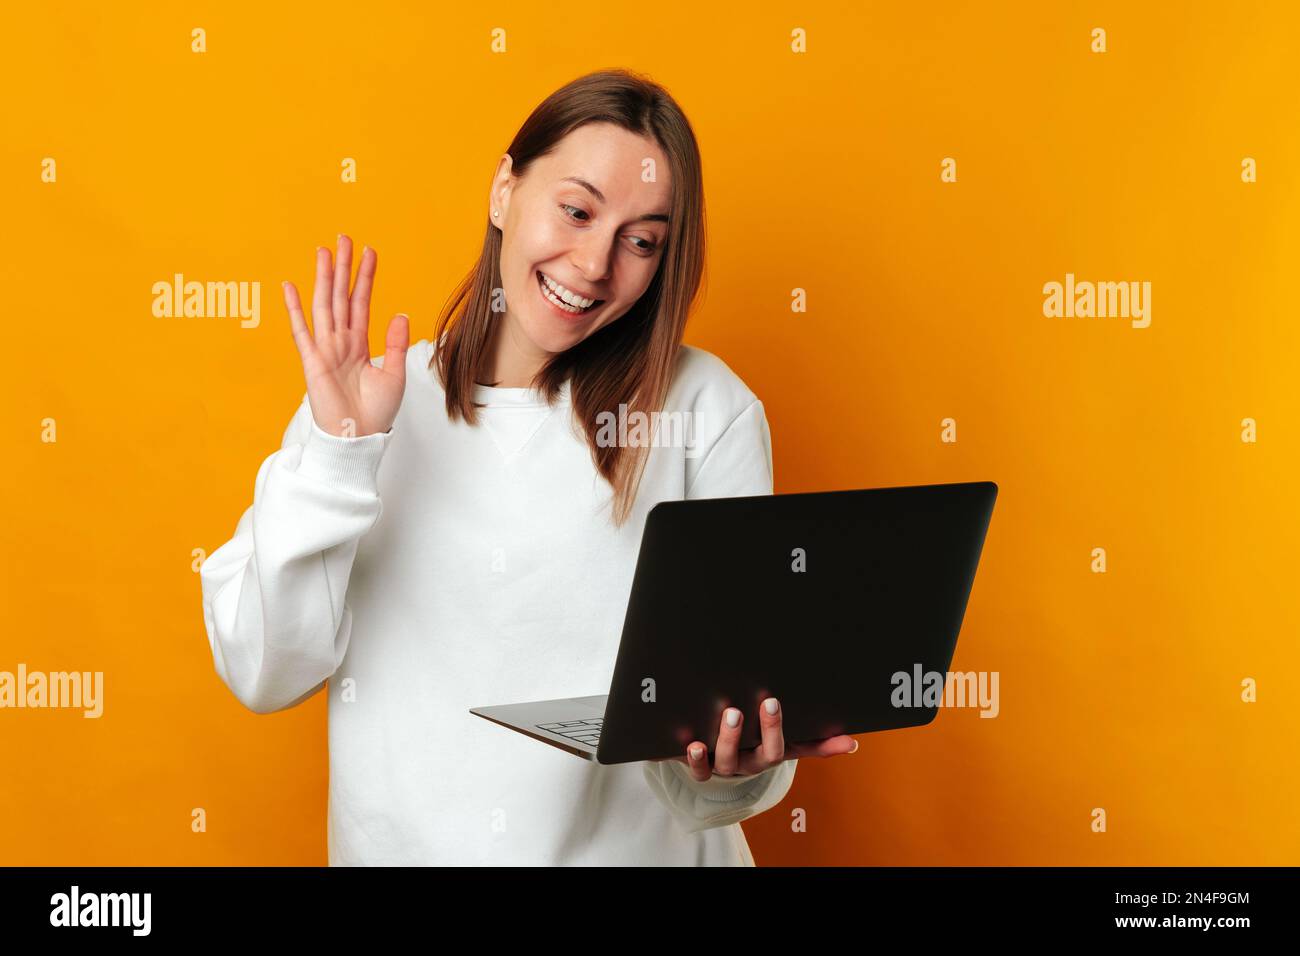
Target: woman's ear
[[499, 194]]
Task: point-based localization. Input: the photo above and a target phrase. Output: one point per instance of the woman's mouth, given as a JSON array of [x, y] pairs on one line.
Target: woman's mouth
[[556, 302]]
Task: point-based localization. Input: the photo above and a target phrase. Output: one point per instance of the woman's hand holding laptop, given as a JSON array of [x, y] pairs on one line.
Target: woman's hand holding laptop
[[729, 761]]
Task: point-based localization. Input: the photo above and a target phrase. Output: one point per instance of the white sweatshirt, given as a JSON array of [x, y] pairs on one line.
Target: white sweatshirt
[[477, 566]]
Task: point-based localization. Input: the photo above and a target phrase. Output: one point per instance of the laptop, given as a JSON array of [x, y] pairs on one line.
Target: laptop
[[819, 599]]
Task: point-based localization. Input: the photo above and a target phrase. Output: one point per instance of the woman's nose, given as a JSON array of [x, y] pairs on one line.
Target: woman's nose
[[592, 258]]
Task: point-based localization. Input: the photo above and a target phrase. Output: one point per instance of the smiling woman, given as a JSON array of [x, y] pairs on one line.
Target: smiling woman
[[491, 557], [597, 203]]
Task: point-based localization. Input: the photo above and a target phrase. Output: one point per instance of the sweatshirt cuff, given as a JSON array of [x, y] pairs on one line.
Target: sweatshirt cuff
[[351, 464], [721, 789]]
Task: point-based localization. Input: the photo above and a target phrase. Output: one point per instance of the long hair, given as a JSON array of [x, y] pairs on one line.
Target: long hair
[[630, 360]]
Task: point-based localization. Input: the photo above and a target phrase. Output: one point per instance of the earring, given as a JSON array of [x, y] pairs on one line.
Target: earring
[[494, 212]]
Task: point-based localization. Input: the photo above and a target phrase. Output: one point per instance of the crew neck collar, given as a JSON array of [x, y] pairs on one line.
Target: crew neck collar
[[495, 395], [491, 395]]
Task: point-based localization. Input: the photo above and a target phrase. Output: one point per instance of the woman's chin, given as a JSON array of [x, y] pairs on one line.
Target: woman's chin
[[558, 335]]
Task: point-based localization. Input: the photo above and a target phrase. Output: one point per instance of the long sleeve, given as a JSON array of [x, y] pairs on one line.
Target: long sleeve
[[718, 801], [738, 463], [273, 595]]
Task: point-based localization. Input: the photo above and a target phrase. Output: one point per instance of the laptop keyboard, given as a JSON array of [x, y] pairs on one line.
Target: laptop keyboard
[[583, 731]]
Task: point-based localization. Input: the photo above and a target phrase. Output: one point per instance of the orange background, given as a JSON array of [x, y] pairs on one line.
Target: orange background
[[1118, 690]]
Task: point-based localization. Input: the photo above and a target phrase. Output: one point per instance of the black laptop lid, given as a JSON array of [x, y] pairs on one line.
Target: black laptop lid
[[817, 599]]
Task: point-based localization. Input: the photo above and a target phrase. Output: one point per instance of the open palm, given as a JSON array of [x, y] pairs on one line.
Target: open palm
[[349, 396]]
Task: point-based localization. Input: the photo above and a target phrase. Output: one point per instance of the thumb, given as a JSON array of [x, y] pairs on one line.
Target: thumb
[[396, 342]]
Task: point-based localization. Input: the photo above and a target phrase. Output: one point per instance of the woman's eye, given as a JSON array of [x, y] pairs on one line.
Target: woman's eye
[[647, 249]]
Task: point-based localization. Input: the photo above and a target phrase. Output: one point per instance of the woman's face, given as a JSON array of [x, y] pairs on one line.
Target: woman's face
[[603, 240]]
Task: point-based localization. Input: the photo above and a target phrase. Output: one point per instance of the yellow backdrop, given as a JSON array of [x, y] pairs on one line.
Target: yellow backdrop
[[920, 171]]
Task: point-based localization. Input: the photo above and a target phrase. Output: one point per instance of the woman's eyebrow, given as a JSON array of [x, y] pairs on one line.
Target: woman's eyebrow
[[600, 197]]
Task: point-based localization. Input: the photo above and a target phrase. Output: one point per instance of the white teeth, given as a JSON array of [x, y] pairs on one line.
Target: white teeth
[[570, 298], [562, 304]]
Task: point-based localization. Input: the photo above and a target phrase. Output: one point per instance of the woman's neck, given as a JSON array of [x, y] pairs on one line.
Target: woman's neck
[[515, 361]]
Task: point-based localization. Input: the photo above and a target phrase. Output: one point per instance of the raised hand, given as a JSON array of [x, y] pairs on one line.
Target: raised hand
[[349, 397]]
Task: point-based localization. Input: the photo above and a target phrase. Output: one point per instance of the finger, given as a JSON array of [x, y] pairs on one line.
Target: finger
[[830, 747], [697, 759], [359, 303], [342, 278], [322, 321], [772, 749], [396, 342], [297, 321], [726, 758]]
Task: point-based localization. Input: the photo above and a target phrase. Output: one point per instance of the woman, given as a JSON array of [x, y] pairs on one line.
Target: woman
[[491, 556]]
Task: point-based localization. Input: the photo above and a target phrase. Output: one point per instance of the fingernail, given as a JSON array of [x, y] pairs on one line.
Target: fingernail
[[855, 747], [697, 753], [733, 717], [771, 705]]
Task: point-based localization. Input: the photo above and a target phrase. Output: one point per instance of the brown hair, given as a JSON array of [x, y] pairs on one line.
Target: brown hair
[[630, 360]]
